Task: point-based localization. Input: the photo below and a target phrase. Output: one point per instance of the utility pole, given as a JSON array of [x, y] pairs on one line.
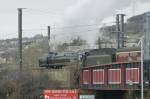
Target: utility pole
[[20, 37], [145, 56], [118, 30], [20, 48], [122, 30], [48, 30], [142, 69]]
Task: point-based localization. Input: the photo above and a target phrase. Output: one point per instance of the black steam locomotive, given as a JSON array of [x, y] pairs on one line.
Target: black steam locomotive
[[84, 58], [57, 60]]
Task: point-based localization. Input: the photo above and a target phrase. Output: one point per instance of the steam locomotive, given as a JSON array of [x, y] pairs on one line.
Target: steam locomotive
[[57, 60], [90, 57]]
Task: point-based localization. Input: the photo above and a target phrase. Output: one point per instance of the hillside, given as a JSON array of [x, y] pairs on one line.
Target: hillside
[[134, 28]]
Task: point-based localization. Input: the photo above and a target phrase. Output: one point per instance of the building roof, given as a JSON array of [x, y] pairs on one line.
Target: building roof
[[129, 49]]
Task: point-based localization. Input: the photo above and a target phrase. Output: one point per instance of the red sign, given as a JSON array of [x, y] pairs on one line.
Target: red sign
[[60, 94]]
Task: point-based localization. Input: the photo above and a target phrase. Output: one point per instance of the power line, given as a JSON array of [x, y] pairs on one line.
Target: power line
[[25, 31], [10, 34], [36, 31], [42, 12], [67, 32], [56, 28], [39, 32], [75, 26], [65, 27]]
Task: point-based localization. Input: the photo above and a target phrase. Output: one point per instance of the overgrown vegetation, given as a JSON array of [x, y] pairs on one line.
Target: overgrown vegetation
[[32, 81]]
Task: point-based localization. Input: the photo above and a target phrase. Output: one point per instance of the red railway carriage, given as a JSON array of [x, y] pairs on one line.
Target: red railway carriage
[[116, 76], [128, 55]]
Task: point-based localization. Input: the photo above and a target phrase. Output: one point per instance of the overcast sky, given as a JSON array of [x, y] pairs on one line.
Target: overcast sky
[[64, 13]]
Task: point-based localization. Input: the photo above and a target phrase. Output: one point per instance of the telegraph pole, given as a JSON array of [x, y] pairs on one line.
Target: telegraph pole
[[20, 37], [48, 31], [118, 30], [142, 64], [145, 56], [20, 48], [122, 30]]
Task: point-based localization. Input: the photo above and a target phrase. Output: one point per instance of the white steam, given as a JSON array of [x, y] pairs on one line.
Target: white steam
[[88, 12]]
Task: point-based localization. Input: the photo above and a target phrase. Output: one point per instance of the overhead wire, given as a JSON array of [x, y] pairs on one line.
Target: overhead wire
[[7, 35], [41, 12], [68, 32], [55, 27], [63, 27], [40, 30], [42, 33], [75, 26]]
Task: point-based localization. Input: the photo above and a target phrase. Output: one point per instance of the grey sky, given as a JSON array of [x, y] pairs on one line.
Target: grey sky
[[58, 13]]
